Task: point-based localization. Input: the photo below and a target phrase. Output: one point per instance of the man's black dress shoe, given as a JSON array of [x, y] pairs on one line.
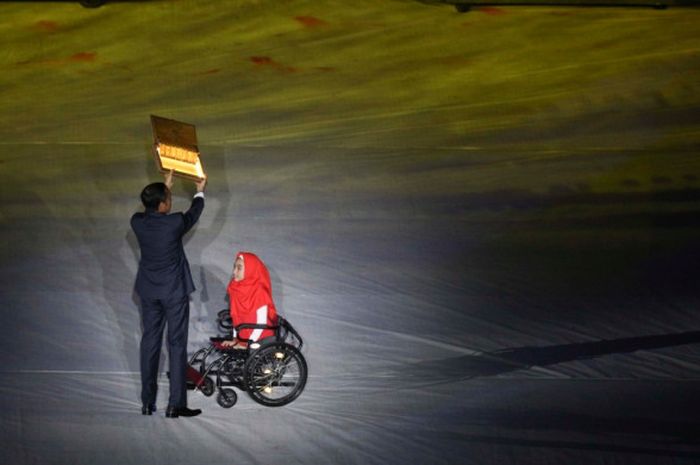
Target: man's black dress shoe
[[174, 412], [148, 409]]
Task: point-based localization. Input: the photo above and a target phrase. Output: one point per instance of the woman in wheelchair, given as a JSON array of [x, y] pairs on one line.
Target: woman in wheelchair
[[250, 300], [270, 366]]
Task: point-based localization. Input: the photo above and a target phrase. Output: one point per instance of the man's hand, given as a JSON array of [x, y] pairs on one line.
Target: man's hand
[[169, 179], [201, 184]]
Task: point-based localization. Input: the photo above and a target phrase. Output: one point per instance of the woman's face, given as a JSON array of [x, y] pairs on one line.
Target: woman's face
[[238, 269]]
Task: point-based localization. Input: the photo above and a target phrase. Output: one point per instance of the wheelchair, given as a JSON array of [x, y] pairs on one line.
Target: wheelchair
[[272, 371]]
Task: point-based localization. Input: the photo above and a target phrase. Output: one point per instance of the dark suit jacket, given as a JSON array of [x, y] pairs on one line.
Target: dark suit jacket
[[163, 269]]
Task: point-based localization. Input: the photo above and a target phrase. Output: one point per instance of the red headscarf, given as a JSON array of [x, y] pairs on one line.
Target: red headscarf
[[251, 293]]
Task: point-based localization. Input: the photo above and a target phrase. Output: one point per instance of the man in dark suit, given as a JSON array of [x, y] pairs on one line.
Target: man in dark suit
[[164, 283]]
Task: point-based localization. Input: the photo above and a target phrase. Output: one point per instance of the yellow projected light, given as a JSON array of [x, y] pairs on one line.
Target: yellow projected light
[[175, 146]]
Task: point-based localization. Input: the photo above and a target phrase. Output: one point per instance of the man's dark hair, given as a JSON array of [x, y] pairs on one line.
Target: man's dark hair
[[153, 194]]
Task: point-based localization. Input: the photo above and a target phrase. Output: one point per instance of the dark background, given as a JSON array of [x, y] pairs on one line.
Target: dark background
[[484, 225]]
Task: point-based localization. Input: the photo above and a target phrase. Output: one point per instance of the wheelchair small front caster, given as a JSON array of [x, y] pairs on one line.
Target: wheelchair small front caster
[[92, 3], [207, 387], [226, 398]]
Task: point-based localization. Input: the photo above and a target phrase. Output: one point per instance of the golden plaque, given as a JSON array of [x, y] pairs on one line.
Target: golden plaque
[[175, 148]]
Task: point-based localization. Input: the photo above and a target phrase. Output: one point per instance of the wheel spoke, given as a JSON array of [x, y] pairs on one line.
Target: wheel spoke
[[276, 375]]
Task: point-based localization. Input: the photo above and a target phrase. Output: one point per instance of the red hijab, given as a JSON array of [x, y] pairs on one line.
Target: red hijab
[[249, 294]]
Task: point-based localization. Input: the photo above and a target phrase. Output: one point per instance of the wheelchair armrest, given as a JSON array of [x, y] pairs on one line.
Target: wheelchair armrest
[[282, 329], [254, 326]]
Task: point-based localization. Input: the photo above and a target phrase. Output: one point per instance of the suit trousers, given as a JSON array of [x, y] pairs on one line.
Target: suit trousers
[[155, 313]]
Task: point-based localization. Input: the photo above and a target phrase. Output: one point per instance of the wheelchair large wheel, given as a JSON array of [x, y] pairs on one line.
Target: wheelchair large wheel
[[275, 374]]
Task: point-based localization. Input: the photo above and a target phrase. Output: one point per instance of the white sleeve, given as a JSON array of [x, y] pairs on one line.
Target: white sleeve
[[262, 320]]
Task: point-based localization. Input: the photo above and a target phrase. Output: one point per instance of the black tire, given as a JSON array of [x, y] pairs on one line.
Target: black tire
[[92, 3], [275, 374], [226, 398], [207, 387]]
